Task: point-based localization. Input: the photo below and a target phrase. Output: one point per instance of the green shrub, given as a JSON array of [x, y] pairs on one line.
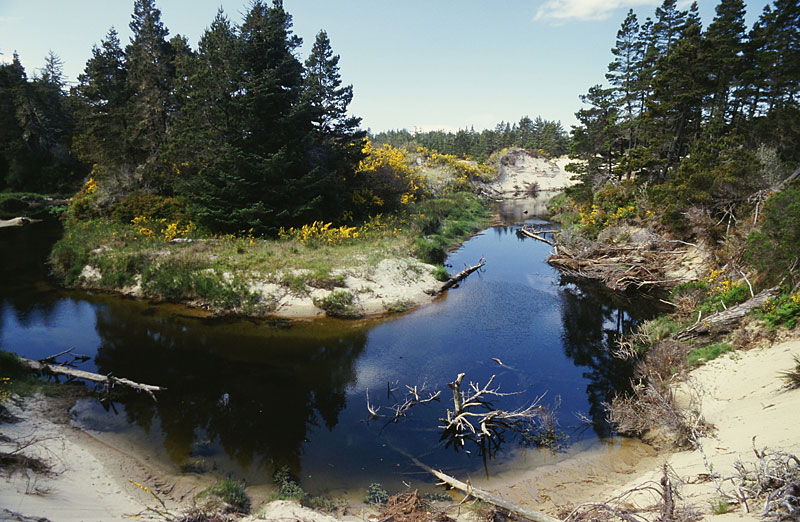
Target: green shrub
[[707, 353], [782, 310], [376, 495], [688, 288], [339, 303], [440, 273], [734, 295], [773, 248], [288, 488], [431, 251], [151, 206], [68, 257], [230, 492]]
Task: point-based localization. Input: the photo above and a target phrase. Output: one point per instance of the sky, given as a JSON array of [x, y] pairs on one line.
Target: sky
[[414, 64]]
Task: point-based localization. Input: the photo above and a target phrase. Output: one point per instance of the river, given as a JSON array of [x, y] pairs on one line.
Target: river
[[246, 397]]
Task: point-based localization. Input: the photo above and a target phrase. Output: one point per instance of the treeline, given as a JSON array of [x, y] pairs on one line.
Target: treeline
[[36, 129], [703, 117], [238, 134], [548, 137], [242, 130]]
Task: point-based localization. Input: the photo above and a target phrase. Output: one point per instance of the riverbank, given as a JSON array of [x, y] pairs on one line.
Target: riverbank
[[387, 264], [742, 394]]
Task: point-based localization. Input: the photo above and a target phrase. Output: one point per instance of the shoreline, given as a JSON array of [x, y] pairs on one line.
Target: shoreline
[[742, 394]]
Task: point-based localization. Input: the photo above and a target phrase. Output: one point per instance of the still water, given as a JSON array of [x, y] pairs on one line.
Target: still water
[[246, 397]]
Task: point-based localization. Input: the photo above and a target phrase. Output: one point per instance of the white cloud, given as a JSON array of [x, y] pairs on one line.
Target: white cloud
[[10, 19], [564, 10]]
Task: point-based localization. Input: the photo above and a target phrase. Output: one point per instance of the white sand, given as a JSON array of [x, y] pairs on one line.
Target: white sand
[[519, 171], [79, 488]]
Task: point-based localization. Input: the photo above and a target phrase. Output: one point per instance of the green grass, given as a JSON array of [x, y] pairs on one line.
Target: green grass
[[440, 273], [720, 506], [339, 303], [217, 271], [231, 493], [18, 379], [707, 353], [792, 376], [714, 304]]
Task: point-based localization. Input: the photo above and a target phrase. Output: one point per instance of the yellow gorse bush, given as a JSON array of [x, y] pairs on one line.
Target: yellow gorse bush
[[5, 382], [320, 232], [464, 170], [150, 227], [387, 160]]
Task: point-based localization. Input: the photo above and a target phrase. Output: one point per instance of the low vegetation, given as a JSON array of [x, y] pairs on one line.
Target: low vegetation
[[150, 245]]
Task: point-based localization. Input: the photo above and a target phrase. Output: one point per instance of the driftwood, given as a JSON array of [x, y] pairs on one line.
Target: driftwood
[[727, 319], [485, 496], [461, 275], [526, 232], [108, 380], [621, 268], [474, 418], [17, 222]]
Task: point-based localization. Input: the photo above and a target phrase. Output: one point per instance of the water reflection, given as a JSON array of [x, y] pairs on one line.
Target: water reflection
[[244, 396], [592, 321], [253, 395]]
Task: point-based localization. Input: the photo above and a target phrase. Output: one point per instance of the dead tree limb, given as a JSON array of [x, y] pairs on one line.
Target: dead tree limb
[[461, 275], [108, 380], [464, 422], [526, 232], [485, 496], [726, 320]]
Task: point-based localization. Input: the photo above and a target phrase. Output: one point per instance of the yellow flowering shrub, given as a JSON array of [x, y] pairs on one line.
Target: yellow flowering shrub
[[387, 179], [319, 232], [5, 382], [145, 226], [465, 171]]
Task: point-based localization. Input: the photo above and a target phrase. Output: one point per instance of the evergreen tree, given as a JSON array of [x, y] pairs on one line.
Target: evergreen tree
[[102, 98], [724, 46], [597, 140], [338, 141], [13, 153], [149, 60], [623, 75]]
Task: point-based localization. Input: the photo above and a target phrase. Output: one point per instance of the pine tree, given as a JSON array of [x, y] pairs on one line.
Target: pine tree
[[724, 46], [103, 96], [149, 60], [338, 139], [624, 75], [597, 139]]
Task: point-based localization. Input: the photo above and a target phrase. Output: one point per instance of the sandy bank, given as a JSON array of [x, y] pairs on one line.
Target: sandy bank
[[742, 395]]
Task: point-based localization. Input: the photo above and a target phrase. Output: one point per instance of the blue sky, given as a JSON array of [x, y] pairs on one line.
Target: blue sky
[[424, 64]]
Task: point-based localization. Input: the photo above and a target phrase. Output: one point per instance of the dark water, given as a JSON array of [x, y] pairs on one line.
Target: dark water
[[245, 397]]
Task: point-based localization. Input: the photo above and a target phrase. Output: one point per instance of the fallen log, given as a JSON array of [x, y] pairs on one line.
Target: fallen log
[[461, 275], [727, 319], [108, 380], [526, 232], [17, 222], [528, 514]]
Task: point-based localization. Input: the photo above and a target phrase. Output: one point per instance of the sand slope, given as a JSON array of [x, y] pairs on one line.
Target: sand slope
[[744, 397]]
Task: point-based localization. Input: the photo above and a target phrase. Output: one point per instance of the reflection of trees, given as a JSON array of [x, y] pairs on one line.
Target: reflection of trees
[[257, 394], [593, 320], [23, 268]]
